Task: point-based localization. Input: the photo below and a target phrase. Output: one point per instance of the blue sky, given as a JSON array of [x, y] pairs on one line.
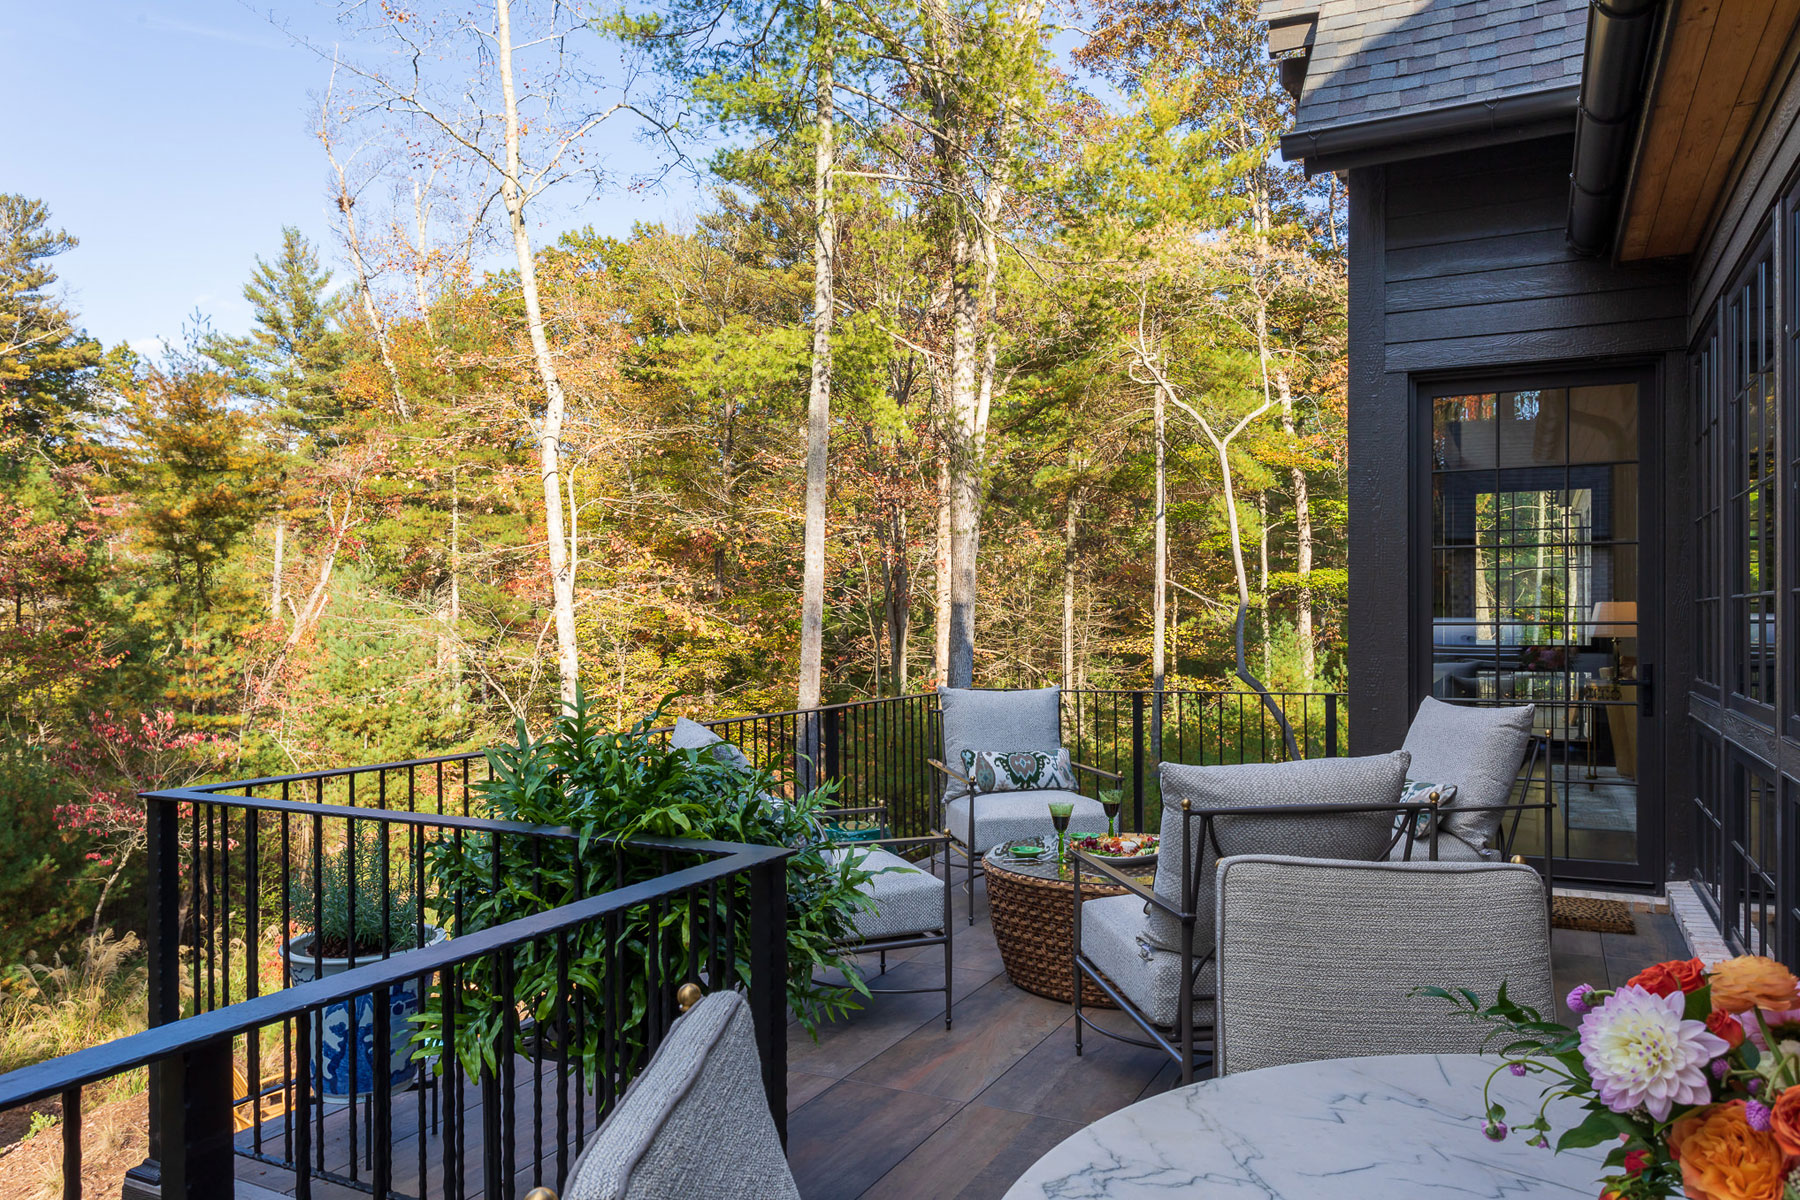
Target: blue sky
[[174, 139]]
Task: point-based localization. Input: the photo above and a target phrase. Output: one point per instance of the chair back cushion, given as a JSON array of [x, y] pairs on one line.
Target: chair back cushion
[[1374, 780], [1318, 959], [694, 1123], [692, 735], [1478, 750], [1021, 720], [1019, 770]]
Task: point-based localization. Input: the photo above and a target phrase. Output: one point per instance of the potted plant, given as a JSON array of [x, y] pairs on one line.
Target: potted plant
[[367, 907]]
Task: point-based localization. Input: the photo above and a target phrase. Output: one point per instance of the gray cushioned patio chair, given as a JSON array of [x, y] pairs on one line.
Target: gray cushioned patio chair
[[1318, 959], [1151, 949], [911, 905], [1474, 753], [976, 820], [694, 1123]]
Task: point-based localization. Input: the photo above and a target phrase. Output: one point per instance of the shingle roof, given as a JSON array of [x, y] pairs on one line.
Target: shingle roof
[[1373, 59]]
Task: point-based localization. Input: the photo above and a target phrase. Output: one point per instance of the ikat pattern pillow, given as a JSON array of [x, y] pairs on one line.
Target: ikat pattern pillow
[[1019, 770]]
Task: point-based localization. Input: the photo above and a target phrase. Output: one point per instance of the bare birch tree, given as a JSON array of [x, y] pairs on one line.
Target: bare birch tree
[[484, 119]]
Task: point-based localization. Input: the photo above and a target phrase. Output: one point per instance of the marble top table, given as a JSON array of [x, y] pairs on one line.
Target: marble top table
[[1384, 1127]]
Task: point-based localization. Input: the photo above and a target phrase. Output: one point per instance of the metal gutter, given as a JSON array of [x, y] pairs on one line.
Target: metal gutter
[[1432, 130], [1619, 37]]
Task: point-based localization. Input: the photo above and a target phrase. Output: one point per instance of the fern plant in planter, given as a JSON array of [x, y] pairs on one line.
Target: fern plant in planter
[[362, 905], [608, 787]]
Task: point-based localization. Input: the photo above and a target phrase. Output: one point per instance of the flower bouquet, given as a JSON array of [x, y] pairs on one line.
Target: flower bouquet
[[1696, 1072]]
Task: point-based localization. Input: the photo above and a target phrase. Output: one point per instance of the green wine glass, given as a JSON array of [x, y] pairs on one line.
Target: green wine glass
[[1060, 812], [1111, 802]]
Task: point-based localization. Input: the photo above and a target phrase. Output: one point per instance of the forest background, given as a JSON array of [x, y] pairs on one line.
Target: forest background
[[1005, 343]]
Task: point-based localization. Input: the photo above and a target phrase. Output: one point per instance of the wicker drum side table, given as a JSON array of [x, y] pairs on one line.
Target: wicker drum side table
[[1033, 904]]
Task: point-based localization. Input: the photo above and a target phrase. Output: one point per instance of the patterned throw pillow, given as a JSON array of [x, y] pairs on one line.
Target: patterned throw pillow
[[1019, 770], [1418, 791]]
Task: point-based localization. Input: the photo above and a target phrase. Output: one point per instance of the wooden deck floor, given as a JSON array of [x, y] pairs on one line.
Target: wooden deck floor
[[888, 1105]]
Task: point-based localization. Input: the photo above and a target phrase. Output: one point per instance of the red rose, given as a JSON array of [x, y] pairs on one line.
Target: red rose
[[1667, 978], [1636, 1162], [1726, 1026]]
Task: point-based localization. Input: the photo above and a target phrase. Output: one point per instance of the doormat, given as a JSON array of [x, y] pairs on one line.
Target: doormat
[[1595, 916]]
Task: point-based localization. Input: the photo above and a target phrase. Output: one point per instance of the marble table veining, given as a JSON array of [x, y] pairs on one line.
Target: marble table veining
[[1384, 1127]]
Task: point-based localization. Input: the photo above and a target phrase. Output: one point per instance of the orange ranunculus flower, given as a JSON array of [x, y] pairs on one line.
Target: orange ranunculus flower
[[1722, 1158], [1784, 1122], [1667, 978], [1725, 1025], [1752, 981]]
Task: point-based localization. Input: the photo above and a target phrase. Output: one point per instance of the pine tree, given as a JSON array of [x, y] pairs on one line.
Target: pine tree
[[293, 355], [46, 364]]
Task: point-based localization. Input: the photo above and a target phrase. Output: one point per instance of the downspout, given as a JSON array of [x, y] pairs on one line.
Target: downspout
[[1619, 35]]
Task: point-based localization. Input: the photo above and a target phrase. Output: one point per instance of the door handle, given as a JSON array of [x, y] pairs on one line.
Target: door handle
[[1646, 690]]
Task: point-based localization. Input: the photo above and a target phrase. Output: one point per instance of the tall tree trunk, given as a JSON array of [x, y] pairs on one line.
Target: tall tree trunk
[[898, 601], [1303, 535], [1262, 541], [512, 195], [965, 347], [422, 253], [1160, 601], [1071, 524], [455, 615], [941, 656], [818, 408], [275, 574]]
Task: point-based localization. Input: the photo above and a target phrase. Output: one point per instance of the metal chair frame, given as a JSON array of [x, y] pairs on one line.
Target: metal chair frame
[[972, 860], [882, 945], [1190, 1045]]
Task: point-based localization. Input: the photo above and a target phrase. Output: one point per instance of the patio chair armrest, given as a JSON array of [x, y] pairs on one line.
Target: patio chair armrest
[[852, 812], [1112, 874], [921, 839], [958, 776], [1100, 771]]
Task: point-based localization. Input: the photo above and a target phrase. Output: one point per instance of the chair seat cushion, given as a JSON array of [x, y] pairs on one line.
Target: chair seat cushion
[[694, 1122], [907, 899], [1112, 938], [1004, 816]]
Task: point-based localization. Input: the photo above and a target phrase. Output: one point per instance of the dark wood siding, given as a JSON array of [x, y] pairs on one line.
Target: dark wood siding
[[1479, 273], [1459, 266]]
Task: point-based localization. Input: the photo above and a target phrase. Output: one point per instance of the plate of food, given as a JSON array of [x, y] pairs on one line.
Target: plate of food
[[1121, 850]]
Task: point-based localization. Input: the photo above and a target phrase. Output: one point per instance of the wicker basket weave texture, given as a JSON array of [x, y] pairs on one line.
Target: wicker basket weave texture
[[1032, 919]]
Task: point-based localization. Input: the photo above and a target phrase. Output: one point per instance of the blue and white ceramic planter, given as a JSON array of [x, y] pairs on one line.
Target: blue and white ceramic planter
[[343, 1050]]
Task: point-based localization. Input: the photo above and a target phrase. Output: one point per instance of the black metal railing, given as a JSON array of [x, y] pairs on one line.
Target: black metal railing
[[487, 1058], [236, 874]]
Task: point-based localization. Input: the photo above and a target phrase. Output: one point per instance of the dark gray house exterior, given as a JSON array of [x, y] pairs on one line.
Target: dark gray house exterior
[[1575, 342]]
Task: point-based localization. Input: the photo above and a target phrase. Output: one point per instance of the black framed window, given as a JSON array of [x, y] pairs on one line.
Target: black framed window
[[1709, 816], [1753, 858], [1709, 518], [1791, 320], [1754, 475]]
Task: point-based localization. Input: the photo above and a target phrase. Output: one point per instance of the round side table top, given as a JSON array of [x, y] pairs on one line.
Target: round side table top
[[1384, 1127]]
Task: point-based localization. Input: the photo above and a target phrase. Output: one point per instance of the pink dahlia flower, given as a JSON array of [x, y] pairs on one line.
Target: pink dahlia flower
[[1640, 1051], [1776, 1019]]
